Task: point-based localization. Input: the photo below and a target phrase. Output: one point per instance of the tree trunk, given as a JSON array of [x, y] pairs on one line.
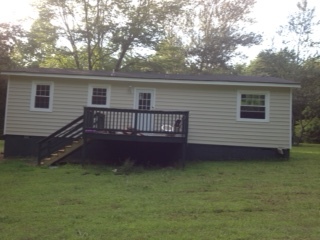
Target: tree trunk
[[124, 49]]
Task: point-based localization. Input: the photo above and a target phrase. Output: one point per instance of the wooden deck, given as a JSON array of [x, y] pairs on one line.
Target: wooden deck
[[116, 125], [135, 125]]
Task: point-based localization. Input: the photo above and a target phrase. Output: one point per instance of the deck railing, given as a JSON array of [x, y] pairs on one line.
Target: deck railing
[[131, 121], [60, 138]]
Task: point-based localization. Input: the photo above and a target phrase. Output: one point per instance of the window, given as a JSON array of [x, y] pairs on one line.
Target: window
[[41, 99], [144, 101], [253, 106], [99, 95]]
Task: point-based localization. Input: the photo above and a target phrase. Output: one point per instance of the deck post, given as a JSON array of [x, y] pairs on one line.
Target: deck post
[[39, 153], [183, 155], [84, 149], [135, 128]]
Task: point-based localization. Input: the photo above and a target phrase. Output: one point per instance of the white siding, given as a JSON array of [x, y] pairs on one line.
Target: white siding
[[212, 109], [213, 117]]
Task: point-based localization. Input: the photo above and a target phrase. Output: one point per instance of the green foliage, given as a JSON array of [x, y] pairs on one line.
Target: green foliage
[[217, 32], [208, 200], [299, 32], [306, 100], [40, 44], [299, 64], [78, 30], [280, 64], [143, 26], [170, 57], [309, 130], [97, 34], [10, 37], [121, 35]]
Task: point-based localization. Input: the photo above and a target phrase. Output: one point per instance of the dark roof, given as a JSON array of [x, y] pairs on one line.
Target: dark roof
[[184, 77]]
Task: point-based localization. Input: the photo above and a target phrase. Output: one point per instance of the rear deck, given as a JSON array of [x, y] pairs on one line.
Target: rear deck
[[136, 125], [128, 125]]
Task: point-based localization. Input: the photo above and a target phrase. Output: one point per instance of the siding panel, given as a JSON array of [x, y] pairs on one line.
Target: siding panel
[[212, 110]]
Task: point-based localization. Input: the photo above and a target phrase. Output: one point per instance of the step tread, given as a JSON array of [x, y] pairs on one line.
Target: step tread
[[58, 155]]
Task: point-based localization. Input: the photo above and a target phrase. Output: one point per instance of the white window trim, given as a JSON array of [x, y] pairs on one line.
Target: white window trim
[[33, 95], [267, 105], [90, 92]]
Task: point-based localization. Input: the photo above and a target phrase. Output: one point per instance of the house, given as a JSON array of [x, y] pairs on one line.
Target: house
[[212, 117]]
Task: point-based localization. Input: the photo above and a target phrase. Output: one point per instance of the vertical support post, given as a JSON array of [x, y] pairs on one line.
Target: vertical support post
[[135, 128], [84, 149], [183, 155], [39, 153], [185, 127]]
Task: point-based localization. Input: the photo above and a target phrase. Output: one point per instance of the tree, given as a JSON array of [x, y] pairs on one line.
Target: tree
[[298, 33], [39, 45], [102, 34], [299, 61], [81, 31], [280, 64], [218, 29], [10, 36], [142, 27], [306, 102], [170, 57], [120, 34]]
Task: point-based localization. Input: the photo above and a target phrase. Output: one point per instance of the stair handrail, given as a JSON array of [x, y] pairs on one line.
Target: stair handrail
[[74, 128]]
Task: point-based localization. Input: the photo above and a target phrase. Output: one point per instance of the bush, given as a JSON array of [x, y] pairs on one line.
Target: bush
[[311, 131]]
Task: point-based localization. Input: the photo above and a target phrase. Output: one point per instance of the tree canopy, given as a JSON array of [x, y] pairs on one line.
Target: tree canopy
[[298, 61], [120, 34], [218, 30]]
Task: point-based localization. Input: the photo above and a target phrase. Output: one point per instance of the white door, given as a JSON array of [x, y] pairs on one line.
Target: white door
[[144, 100]]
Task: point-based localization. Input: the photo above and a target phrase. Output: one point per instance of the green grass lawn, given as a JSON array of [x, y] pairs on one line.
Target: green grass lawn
[[208, 200]]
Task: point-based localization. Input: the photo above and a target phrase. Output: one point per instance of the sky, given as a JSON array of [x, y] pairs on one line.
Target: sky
[[269, 16]]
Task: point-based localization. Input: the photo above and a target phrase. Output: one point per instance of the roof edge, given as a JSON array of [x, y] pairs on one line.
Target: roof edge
[[168, 80]]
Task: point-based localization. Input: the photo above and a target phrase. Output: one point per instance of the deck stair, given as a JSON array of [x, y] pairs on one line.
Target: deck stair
[[61, 143], [61, 153]]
